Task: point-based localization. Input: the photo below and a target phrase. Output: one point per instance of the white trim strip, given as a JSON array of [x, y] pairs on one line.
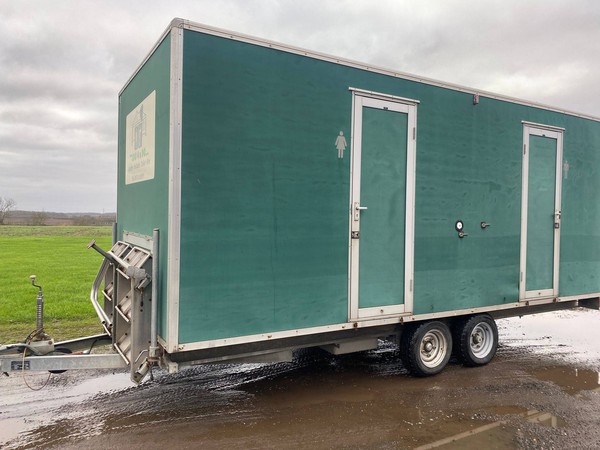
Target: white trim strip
[[541, 125], [175, 23], [579, 297], [381, 311], [374, 322], [361, 99], [539, 293], [174, 238], [382, 96], [355, 136], [552, 132], [411, 184], [524, 204]]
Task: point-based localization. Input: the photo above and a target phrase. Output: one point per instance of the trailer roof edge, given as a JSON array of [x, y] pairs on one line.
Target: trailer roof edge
[[220, 32], [175, 23]]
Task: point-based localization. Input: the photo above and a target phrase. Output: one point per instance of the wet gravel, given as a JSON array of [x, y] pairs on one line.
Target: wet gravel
[[542, 391]]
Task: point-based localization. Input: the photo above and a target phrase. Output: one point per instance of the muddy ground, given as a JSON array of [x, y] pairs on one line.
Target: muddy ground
[[541, 391]]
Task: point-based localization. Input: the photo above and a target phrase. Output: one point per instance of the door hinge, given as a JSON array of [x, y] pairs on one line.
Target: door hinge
[[524, 149], [414, 133]]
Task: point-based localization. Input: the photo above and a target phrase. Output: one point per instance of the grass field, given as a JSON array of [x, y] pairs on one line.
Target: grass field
[[65, 269]]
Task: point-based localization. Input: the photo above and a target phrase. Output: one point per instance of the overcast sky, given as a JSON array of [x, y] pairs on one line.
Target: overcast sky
[[62, 64]]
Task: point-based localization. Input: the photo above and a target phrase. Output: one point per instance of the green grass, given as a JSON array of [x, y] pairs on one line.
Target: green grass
[[64, 267]]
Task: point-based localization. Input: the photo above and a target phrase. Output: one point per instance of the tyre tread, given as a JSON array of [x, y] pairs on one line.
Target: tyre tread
[[464, 332]]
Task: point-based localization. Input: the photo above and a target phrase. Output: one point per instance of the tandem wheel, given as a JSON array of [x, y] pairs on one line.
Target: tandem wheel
[[475, 339], [425, 348]]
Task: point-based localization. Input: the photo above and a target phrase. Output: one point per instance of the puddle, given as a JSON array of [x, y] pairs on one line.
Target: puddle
[[569, 379], [23, 409], [503, 410], [545, 419], [501, 434], [363, 400], [530, 415], [491, 436]]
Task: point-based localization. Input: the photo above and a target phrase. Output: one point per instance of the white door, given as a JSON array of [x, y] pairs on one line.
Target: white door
[[382, 207], [540, 211]]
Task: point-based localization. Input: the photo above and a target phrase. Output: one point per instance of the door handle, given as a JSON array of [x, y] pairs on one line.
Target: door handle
[[357, 210]]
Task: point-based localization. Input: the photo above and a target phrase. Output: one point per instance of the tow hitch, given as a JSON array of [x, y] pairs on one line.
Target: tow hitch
[[39, 352]]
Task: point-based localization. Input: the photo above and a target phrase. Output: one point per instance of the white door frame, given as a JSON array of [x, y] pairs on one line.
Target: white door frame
[[361, 99], [534, 129]]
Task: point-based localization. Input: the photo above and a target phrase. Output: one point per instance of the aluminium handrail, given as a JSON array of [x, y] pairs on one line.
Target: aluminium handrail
[[94, 294]]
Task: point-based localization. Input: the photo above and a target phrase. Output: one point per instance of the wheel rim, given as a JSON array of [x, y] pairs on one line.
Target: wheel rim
[[481, 340], [433, 348]]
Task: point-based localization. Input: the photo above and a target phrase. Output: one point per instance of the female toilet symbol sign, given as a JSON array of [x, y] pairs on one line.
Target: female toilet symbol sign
[[340, 144]]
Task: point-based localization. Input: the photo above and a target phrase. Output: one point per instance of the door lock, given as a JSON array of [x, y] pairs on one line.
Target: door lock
[[557, 215]]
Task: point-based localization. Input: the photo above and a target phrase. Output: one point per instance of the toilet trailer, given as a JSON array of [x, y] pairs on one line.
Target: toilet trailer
[[297, 199]]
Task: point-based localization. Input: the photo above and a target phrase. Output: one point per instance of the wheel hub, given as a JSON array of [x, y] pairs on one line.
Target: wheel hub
[[433, 348], [482, 340], [428, 347]]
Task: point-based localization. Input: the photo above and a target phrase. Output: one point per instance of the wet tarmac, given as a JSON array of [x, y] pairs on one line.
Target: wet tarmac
[[542, 391]]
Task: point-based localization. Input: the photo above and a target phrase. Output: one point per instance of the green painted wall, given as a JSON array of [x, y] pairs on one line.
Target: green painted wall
[[265, 199], [264, 230], [143, 206], [264, 220], [580, 228]]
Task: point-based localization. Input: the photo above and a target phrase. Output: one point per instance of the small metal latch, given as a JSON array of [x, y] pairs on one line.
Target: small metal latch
[[557, 215], [462, 234], [484, 225], [355, 235]]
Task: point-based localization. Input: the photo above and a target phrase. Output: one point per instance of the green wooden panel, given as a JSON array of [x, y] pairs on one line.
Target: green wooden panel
[[264, 194], [383, 191], [265, 198], [540, 213], [468, 168], [580, 234], [143, 206]]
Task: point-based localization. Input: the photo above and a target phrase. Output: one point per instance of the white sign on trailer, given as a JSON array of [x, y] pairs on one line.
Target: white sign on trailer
[[139, 145]]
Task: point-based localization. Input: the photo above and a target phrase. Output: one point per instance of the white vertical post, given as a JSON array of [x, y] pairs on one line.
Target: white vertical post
[[154, 311]]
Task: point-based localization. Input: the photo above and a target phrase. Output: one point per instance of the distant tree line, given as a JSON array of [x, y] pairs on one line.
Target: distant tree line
[[9, 215], [39, 218]]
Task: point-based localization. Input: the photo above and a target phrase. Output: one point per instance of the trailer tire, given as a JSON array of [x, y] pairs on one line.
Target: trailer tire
[[476, 340], [425, 349]]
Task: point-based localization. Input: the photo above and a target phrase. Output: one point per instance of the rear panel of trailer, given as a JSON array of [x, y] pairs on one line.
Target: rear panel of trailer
[[143, 160], [258, 193]]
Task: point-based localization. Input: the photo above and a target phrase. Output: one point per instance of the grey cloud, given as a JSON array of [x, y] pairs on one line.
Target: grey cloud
[[63, 64]]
